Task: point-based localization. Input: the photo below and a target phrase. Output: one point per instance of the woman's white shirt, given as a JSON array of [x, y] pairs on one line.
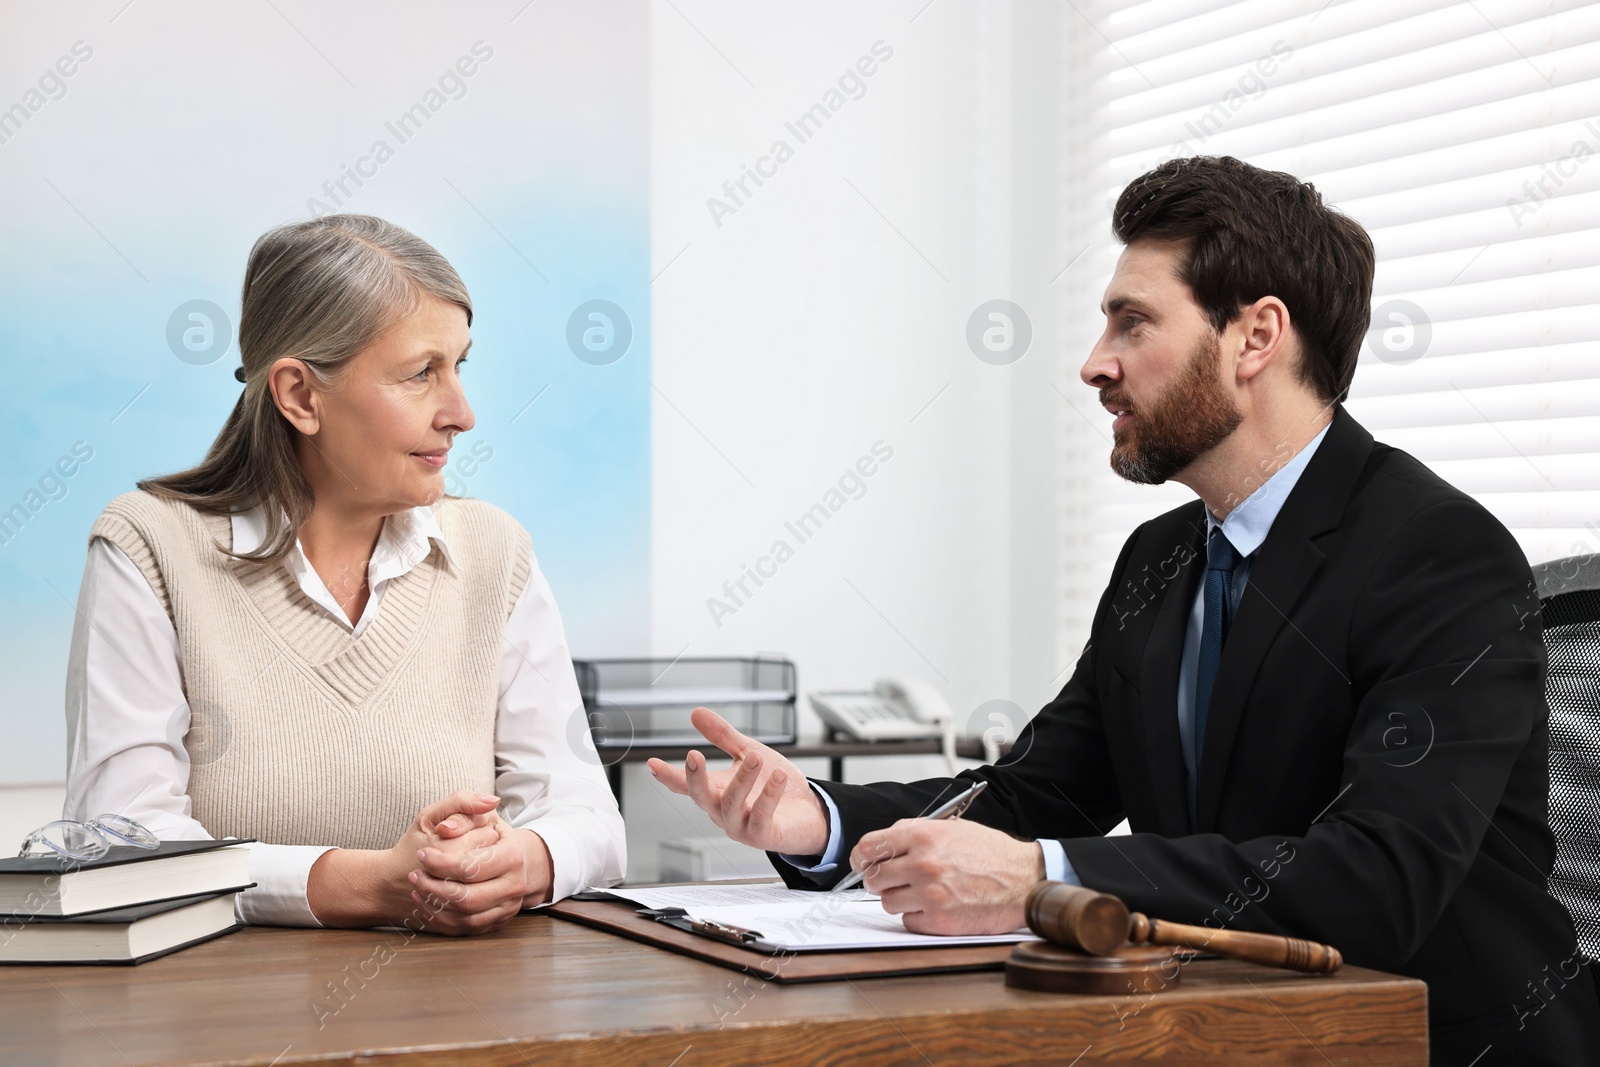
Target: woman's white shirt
[[127, 716]]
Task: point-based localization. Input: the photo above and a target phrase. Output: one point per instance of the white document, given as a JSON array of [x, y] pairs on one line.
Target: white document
[[797, 920]]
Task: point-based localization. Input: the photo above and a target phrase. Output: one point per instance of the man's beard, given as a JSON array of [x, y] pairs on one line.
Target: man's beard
[[1190, 418]]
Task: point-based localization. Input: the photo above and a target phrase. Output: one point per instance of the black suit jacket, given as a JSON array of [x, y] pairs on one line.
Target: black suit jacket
[[1374, 773]]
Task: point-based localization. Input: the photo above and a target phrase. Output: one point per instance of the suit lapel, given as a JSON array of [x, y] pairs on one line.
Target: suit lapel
[[1275, 585], [1284, 565], [1158, 688]]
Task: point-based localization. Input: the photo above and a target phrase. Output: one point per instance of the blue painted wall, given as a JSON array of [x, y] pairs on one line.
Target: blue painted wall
[[137, 183]]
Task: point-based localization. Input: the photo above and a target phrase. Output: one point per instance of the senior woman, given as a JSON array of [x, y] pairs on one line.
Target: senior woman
[[304, 641]]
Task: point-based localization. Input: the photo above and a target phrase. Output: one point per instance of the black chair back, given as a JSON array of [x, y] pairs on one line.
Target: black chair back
[[1569, 595]]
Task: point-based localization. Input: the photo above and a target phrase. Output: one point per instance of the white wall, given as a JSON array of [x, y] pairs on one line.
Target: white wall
[[829, 312], [25, 808]]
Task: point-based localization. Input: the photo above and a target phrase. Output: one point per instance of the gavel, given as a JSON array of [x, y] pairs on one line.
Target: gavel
[[1100, 924]]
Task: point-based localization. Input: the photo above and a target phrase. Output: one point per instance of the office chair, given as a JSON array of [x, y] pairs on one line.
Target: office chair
[[1569, 595]]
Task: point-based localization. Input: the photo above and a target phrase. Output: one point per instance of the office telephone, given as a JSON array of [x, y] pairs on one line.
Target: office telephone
[[896, 709]]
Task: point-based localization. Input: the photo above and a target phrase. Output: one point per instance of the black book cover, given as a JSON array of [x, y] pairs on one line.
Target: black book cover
[[129, 914], [51, 863]]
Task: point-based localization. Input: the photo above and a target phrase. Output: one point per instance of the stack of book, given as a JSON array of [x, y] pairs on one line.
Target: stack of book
[[128, 906]]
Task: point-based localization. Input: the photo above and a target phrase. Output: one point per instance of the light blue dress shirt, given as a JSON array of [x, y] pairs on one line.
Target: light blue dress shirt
[[1246, 528]]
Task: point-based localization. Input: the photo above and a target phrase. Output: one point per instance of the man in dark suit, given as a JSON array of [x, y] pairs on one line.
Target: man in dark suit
[[1316, 693]]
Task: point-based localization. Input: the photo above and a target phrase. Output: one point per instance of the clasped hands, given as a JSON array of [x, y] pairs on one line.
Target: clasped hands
[[457, 869], [946, 876]]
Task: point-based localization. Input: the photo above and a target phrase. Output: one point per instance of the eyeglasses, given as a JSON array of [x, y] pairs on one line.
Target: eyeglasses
[[90, 839]]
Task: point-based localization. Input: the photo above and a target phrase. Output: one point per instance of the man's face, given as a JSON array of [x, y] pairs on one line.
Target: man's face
[[1158, 367]]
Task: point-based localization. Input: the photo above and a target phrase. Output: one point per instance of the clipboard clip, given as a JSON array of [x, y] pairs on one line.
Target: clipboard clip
[[678, 917]]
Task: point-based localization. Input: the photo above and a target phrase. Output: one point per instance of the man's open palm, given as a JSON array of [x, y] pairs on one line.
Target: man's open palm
[[762, 800]]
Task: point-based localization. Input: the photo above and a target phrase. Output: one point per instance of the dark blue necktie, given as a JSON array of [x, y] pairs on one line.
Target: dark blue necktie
[[1221, 559]]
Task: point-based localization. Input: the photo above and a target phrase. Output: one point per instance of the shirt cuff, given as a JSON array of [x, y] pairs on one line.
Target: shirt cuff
[[575, 864], [279, 897], [1057, 868], [830, 854], [566, 859]]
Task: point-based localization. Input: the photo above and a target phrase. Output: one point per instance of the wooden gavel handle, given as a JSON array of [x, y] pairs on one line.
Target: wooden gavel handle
[[1272, 950]]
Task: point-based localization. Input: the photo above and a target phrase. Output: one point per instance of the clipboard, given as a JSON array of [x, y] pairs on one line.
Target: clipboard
[[774, 964]]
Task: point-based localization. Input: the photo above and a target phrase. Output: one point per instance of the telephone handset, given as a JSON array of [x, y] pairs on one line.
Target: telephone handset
[[895, 709]]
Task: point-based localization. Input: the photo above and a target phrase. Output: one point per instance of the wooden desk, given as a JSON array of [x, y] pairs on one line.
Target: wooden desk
[[548, 992]]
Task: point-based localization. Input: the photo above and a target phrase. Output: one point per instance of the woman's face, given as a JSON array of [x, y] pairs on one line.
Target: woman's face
[[384, 430]]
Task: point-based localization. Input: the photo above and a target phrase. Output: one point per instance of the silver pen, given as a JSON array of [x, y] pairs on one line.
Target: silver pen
[[952, 809]]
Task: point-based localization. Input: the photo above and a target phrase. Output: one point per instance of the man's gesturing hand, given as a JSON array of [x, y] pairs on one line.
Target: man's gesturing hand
[[762, 800], [949, 876]]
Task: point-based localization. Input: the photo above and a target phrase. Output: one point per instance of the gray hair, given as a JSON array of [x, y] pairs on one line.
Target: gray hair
[[318, 291]]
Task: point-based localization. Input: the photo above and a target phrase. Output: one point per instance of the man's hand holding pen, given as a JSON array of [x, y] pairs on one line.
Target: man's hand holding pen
[[950, 876]]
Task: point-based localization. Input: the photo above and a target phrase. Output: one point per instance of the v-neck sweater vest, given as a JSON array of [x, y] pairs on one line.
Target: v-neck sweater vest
[[300, 733]]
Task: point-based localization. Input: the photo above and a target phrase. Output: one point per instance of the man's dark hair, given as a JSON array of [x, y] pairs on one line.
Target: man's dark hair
[[1255, 233]]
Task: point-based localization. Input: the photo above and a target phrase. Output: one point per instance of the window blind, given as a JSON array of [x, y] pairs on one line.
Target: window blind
[[1465, 136]]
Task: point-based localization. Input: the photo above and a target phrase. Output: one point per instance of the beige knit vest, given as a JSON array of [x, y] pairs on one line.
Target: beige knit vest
[[300, 733]]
